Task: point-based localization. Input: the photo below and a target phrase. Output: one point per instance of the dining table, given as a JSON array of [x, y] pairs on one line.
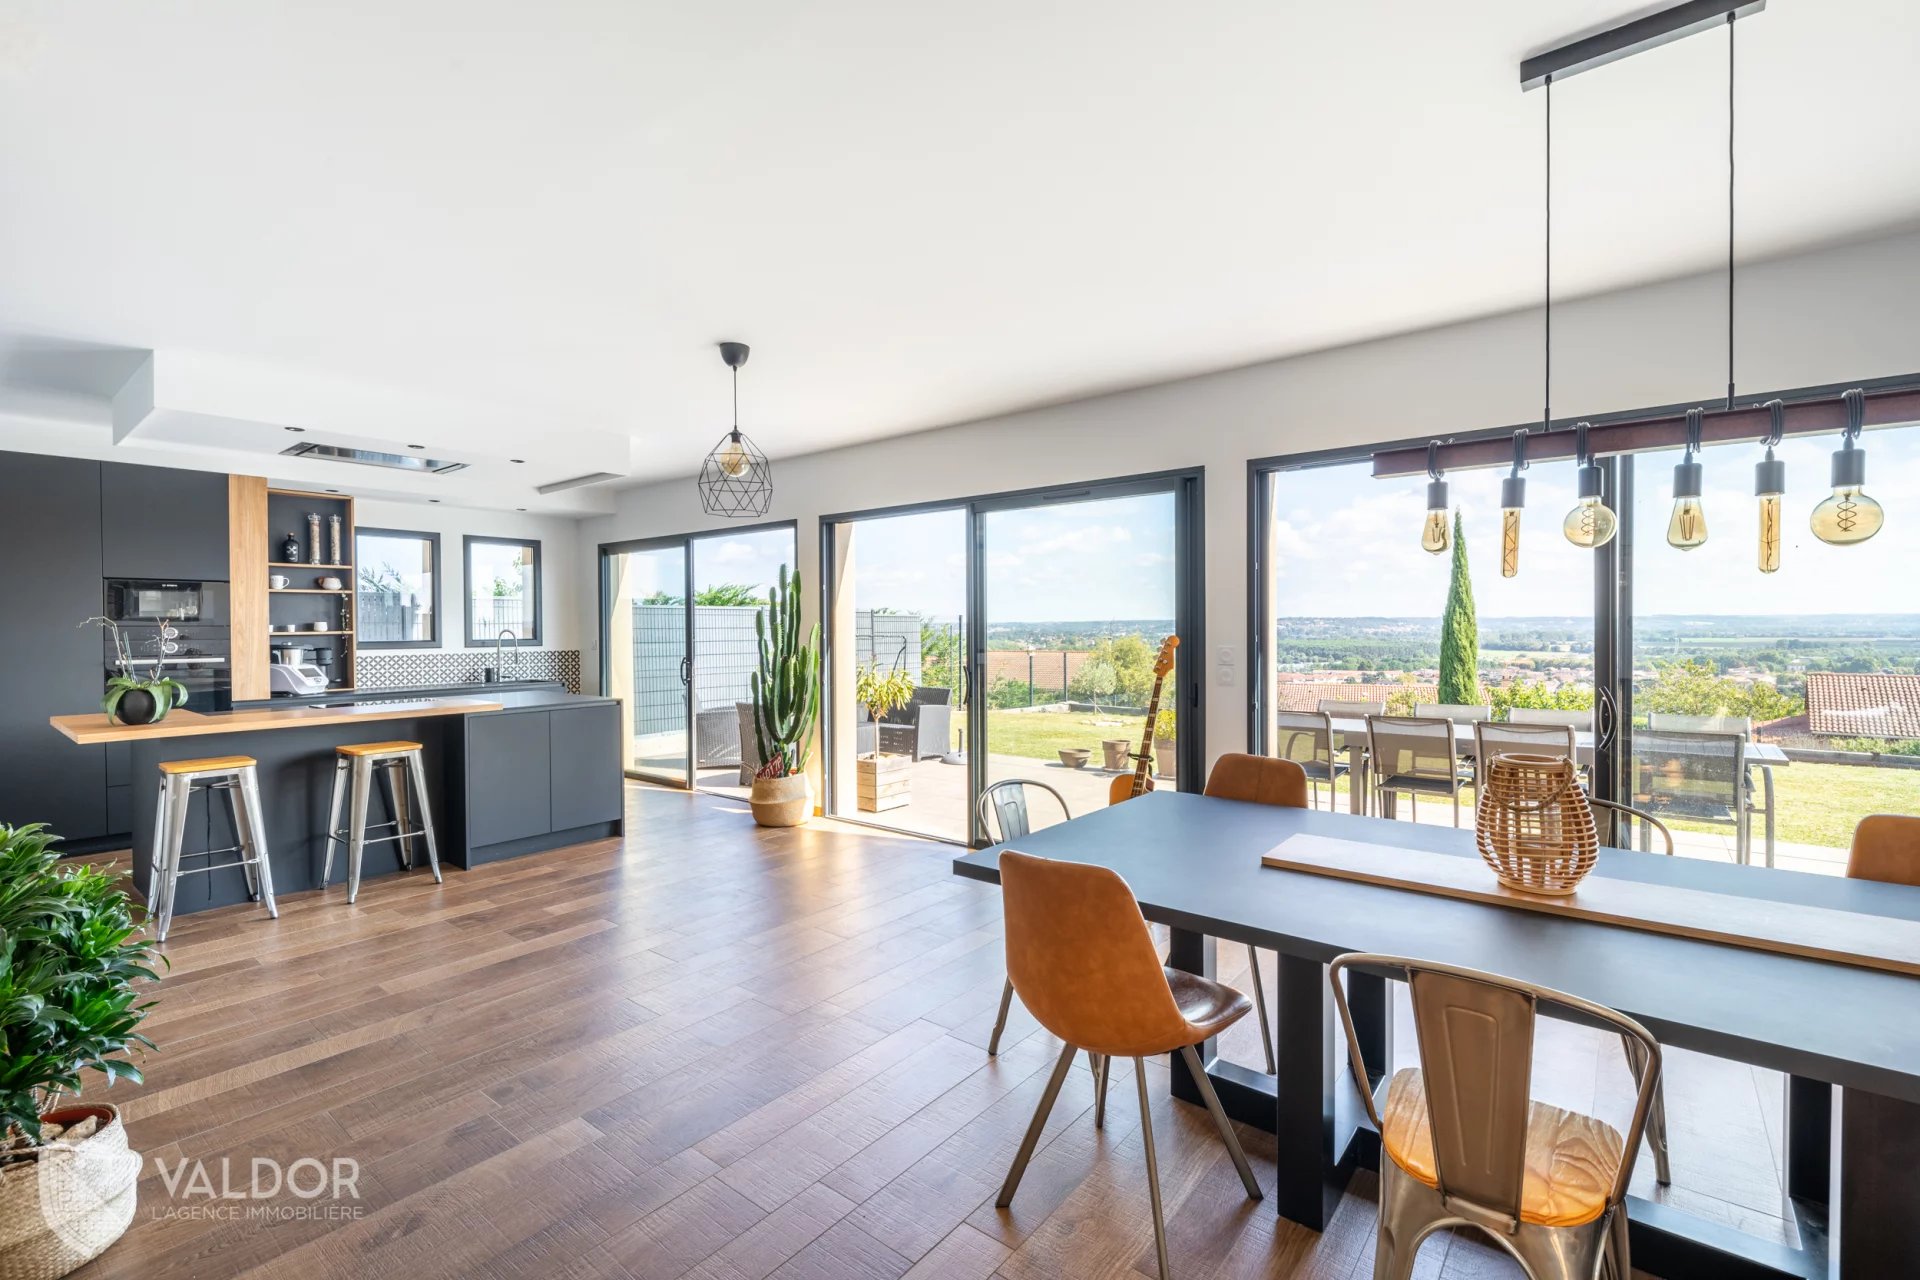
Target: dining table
[[1844, 1037]]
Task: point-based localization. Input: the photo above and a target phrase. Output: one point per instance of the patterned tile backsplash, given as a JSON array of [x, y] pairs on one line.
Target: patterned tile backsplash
[[407, 668]]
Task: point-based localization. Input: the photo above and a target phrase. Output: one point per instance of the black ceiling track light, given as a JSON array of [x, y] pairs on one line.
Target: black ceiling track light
[[735, 480]]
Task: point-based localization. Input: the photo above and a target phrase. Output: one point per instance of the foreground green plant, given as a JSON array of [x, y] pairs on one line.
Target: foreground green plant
[[72, 962]]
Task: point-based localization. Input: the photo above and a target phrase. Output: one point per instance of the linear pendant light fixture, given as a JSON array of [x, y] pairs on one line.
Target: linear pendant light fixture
[[735, 480]]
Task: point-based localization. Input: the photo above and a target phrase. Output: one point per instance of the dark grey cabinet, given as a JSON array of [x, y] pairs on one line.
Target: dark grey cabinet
[[156, 522], [50, 527], [585, 790], [509, 779]]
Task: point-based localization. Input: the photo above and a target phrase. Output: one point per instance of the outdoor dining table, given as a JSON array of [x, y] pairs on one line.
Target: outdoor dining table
[[1846, 1038], [1350, 736]]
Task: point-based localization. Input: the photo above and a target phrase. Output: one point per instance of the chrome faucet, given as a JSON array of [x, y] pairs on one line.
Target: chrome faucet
[[498, 665]]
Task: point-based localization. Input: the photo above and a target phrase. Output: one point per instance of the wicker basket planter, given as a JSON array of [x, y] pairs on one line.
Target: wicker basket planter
[[1533, 825], [781, 802], [66, 1205]]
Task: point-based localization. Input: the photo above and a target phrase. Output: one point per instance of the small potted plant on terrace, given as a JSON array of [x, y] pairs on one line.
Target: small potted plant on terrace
[[884, 779], [71, 965], [786, 704], [131, 697]]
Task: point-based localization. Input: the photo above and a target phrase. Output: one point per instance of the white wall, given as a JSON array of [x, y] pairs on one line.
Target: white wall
[[1851, 312], [563, 610]]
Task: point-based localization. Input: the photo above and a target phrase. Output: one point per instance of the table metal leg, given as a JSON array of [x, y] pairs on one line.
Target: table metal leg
[[1877, 1232], [1356, 779], [1809, 1130], [1316, 1109]]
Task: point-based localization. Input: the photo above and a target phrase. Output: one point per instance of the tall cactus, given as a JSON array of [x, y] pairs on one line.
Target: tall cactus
[[786, 688]]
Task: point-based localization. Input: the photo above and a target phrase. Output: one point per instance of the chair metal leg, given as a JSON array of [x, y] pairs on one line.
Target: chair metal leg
[[357, 824], [1101, 1066], [1027, 1144], [1153, 1168], [243, 835], [1220, 1121], [341, 766], [1000, 1021], [1260, 1007], [156, 859], [177, 791], [1656, 1112], [395, 791], [257, 838], [418, 773]]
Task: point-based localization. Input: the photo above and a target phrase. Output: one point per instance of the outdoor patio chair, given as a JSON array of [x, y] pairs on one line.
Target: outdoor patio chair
[[1306, 738], [923, 728], [1491, 738], [1458, 712], [1675, 721], [1702, 777], [1463, 1143], [1414, 756], [750, 760], [1577, 720], [1358, 707]]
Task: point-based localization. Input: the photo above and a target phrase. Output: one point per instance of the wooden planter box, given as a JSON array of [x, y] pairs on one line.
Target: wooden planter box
[[885, 782]]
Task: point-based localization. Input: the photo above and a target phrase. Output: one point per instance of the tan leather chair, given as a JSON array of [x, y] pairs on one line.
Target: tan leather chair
[[1085, 966], [1465, 1144], [1259, 780], [1886, 847]]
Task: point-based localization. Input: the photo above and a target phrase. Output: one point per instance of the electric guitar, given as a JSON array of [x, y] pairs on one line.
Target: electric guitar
[[1140, 781]]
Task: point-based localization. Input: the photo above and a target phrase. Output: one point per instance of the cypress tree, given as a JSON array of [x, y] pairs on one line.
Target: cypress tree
[[1459, 630]]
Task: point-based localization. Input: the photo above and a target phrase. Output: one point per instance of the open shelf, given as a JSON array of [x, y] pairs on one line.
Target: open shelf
[[301, 564], [309, 591], [289, 635]]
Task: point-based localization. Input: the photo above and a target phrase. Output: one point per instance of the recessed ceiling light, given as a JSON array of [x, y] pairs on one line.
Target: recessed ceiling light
[[299, 431]]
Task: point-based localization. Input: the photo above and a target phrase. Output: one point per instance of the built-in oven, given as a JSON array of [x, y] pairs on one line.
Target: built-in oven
[[180, 627], [153, 599]]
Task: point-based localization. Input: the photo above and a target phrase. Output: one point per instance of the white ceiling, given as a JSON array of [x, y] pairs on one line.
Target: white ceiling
[[503, 229]]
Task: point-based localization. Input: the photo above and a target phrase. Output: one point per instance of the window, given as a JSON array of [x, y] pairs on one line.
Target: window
[[397, 597], [503, 589]]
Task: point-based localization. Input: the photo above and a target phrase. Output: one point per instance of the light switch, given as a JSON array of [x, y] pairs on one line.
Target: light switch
[[1223, 676], [1226, 655]]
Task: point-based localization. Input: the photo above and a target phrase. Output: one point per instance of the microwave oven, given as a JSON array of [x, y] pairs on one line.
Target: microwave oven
[[152, 600]]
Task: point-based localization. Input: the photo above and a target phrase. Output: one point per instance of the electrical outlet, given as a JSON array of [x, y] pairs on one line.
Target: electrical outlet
[[1223, 676], [1226, 655]]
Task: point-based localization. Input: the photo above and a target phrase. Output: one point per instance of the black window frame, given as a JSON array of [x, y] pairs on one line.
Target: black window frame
[[468, 543], [439, 638]]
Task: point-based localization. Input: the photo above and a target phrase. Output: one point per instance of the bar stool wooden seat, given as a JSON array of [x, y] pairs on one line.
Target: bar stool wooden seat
[[353, 769], [238, 777]]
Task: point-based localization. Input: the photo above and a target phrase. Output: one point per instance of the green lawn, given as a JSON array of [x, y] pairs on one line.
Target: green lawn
[[1818, 803]]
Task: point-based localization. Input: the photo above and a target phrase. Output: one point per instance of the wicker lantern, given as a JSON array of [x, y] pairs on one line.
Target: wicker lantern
[[1533, 824]]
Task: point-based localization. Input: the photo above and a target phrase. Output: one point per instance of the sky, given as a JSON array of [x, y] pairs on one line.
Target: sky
[[1347, 544], [1089, 561]]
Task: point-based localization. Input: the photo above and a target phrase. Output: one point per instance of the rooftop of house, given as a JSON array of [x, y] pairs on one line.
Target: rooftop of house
[[1857, 705]]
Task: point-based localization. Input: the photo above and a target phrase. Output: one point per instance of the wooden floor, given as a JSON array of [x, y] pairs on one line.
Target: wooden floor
[[707, 1051]]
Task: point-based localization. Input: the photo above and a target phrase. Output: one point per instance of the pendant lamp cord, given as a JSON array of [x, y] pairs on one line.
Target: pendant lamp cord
[[736, 399], [1546, 390], [1730, 172]]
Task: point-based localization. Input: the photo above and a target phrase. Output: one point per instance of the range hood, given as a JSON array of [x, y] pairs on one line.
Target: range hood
[[372, 458]]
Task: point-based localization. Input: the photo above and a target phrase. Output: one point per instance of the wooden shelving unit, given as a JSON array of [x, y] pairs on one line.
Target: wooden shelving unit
[[286, 512]]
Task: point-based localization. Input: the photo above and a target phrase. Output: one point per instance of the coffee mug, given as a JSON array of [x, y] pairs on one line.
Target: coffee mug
[[279, 581]]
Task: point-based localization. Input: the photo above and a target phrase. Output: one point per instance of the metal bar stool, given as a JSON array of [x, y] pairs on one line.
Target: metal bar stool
[[237, 777], [390, 758]]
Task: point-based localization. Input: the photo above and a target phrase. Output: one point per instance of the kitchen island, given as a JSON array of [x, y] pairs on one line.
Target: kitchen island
[[508, 773]]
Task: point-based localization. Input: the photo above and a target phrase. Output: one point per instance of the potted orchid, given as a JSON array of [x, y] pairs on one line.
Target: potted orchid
[[133, 698]]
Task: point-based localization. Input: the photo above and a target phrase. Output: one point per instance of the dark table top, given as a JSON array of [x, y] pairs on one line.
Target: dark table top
[[1194, 863]]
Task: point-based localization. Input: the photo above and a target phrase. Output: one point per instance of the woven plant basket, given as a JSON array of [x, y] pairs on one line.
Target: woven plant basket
[[1533, 824], [67, 1204]]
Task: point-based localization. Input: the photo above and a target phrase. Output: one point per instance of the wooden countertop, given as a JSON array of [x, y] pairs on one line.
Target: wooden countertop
[[89, 729]]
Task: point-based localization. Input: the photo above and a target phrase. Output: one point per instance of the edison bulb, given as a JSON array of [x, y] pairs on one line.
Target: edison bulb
[[1688, 527], [1846, 516], [1435, 536], [733, 459], [1510, 542], [1769, 532], [1590, 524]]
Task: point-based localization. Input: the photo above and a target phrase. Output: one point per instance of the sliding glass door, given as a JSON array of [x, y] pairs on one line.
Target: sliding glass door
[[1018, 633], [645, 650], [678, 647]]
